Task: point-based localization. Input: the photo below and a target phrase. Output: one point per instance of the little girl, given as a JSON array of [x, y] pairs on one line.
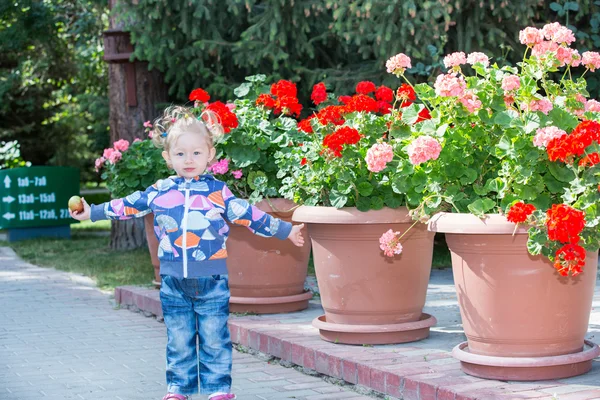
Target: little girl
[[190, 214]]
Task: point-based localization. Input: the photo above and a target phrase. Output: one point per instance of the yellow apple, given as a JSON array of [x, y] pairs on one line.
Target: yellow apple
[[75, 204]]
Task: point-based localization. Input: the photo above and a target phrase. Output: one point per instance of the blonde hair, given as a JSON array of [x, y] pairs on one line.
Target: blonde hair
[[177, 120]]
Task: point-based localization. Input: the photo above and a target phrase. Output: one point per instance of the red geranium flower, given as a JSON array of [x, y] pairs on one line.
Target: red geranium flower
[[305, 125], [284, 88], [365, 87], [591, 160], [519, 212], [423, 115], [319, 93], [227, 119], [569, 259], [200, 95], [406, 94], [384, 107], [339, 138], [303, 162], [362, 102], [265, 100], [564, 223], [384, 93], [331, 114], [288, 105], [344, 99]]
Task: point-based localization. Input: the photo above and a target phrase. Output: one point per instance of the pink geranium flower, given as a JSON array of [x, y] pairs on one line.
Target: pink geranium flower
[[543, 136], [511, 82], [390, 244], [220, 167], [237, 174], [568, 56], [121, 145], [592, 106], [543, 105], [423, 149], [531, 36], [448, 85], [591, 60], [115, 156], [455, 59], [476, 57], [378, 156], [470, 101], [99, 163], [398, 63]]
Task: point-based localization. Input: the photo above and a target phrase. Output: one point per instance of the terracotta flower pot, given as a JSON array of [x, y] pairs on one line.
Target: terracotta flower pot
[[152, 247], [369, 298], [515, 306], [266, 275]]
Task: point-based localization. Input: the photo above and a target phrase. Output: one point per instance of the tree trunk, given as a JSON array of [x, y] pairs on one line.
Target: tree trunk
[[134, 93]]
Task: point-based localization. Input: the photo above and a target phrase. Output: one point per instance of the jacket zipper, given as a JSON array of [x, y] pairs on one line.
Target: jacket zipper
[[185, 214]]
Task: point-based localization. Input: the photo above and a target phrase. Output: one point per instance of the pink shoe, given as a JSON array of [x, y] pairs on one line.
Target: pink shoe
[[173, 396], [227, 396]]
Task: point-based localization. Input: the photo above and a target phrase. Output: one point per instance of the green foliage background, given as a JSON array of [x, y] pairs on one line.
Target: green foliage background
[[54, 84], [214, 44]]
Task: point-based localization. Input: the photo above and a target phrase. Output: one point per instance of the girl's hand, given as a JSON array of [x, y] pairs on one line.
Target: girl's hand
[[82, 215], [296, 235]]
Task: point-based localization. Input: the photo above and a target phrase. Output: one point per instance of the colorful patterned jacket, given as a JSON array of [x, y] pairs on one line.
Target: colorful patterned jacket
[[189, 221]]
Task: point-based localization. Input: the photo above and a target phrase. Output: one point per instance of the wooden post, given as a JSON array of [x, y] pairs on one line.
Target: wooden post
[[134, 96]]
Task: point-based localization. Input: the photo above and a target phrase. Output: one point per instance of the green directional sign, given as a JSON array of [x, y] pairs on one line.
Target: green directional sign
[[36, 196]]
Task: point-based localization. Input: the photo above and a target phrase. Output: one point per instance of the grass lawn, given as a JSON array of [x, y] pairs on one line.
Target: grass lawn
[[89, 226], [90, 256]]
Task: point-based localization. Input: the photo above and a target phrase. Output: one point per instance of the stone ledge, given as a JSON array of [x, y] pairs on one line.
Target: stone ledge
[[408, 371]]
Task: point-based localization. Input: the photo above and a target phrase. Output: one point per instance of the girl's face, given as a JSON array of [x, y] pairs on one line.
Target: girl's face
[[189, 155]]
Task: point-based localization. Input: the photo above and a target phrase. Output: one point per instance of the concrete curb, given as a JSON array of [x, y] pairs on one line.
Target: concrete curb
[[409, 372]]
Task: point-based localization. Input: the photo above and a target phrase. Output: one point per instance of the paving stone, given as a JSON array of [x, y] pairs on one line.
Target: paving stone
[[63, 339]]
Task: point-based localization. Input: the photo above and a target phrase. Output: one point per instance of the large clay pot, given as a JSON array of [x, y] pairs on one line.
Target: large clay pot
[[266, 275], [152, 247], [514, 305], [368, 297]]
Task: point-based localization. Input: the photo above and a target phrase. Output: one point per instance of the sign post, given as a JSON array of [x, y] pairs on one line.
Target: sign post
[[33, 201]]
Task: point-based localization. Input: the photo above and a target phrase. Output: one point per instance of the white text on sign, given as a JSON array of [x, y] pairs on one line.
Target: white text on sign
[[35, 181]]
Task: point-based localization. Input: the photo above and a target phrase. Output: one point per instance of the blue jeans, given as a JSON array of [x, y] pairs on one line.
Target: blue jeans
[[197, 308]]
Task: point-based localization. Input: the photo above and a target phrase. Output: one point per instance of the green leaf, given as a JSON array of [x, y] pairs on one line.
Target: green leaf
[[344, 187], [132, 181], [495, 185], [401, 184], [553, 185], [392, 201], [337, 199], [504, 147], [363, 204], [561, 172], [256, 78], [419, 178], [469, 177], [481, 206], [563, 119], [410, 114], [424, 91], [376, 203], [400, 131], [364, 188], [242, 156], [243, 89], [505, 118]]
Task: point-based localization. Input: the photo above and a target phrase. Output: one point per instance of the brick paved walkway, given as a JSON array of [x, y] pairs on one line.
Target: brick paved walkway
[[60, 338], [423, 370]]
